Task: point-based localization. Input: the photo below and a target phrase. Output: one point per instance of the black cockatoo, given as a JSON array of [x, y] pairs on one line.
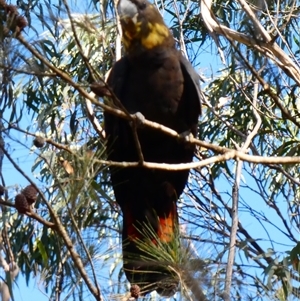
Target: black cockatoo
[[153, 78]]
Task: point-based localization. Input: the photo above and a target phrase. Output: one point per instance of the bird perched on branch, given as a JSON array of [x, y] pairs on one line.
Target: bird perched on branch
[[155, 80]]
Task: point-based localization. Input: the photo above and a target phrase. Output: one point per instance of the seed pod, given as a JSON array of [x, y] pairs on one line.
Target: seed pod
[[11, 9], [21, 22], [3, 4], [21, 203], [30, 193], [39, 142]]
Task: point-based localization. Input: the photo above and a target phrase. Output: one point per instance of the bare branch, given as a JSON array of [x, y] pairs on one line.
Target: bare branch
[[235, 199], [266, 46]]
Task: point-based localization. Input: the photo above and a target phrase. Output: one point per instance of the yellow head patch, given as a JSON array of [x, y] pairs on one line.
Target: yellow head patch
[[147, 35], [156, 35]]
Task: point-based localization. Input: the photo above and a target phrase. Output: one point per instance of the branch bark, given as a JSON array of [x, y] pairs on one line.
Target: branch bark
[[265, 45], [235, 198]]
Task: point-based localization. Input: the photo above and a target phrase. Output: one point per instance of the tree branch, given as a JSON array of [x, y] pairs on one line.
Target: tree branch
[[266, 46]]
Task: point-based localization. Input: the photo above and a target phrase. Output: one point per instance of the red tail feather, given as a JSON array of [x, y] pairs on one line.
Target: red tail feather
[[167, 226]]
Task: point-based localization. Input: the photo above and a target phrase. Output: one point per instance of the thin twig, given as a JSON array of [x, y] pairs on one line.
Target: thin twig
[[94, 121], [85, 248], [260, 31], [78, 44], [119, 33], [206, 16], [235, 199], [180, 22]]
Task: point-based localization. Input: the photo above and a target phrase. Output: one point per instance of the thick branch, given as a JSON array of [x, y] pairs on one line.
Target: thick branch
[[266, 46]]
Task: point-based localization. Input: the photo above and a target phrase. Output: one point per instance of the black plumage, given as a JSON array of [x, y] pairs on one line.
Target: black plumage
[[153, 78]]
